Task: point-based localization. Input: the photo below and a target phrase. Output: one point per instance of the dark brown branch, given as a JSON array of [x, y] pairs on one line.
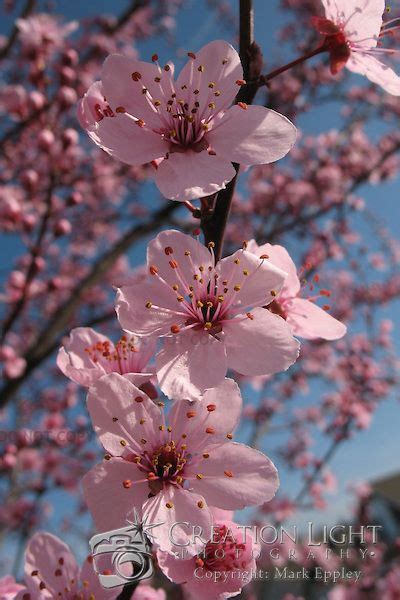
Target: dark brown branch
[[29, 6], [214, 224], [31, 271], [39, 349]]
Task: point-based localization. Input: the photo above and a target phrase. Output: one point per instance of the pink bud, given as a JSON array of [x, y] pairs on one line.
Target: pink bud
[[67, 96], [62, 227], [46, 139]]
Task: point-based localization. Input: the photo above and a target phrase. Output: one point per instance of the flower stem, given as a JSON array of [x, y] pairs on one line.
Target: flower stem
[[264, 79]]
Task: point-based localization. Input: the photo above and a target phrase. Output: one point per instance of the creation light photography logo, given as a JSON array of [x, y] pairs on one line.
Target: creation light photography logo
[[125, 551]]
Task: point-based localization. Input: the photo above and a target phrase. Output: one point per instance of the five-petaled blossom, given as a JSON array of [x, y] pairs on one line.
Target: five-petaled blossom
[[211, 316], [88, 355], [225, 565], [51, 571], [139, 113], [171, 471], [306, 319], [353, 32]]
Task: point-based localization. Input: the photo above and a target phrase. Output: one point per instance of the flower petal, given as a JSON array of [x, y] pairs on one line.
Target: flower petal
[[220, 65], [121, 137], [121, 89], [260, 346], [190, 174], [170, 247], [235, 476], [309, 321], [43, 554], [108, 500], [253, 136], [116, 414], [219, 409], [255, 288], [134, 315], [189, 363], [362, 22], [376, 71], [279, 256], [184, 511], [74, 361]]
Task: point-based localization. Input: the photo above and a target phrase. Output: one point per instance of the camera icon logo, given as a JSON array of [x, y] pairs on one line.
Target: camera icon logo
[[127, 552]]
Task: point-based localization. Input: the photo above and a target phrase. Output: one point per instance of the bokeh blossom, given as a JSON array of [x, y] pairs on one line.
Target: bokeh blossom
[[210, 315], [353, 31], [171, 470], [138, 114], [306, 319]]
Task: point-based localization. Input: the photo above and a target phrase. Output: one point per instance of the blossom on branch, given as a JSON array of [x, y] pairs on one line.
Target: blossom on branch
[[210, 316], [171, 471], [353, 31], [138, 113], [88, 355], [306, 319]]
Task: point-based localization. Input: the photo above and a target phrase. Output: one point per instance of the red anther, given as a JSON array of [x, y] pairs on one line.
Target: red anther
[[140, 122], [136, 76], [191, 413], [153, 270], [211, 407], [242, 105], [326, 307], [210, 430], [173, 264], [175, 329], [240, 82], [168, 250], [127, 483], [154, 58], [264, 256], [196, 231], [191, 55], [325, 293], [138, 399]]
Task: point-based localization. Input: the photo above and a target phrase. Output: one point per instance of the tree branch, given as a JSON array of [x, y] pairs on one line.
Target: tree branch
[[39, 349], [214, 224]]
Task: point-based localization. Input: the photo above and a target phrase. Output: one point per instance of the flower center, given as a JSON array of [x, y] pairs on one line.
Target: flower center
[[119, 357]]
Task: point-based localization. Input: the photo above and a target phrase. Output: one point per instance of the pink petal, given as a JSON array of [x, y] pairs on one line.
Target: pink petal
[[219, 408], [253, 136], [189, 363], [171, 245], [73, 360], [86, 112], [235, 476], [279, 256], [121, 90], [376, 71], [122, 138], [256, 287], [260, 346], [90, 581], [146, 592], [184, 514], [309, 321], [116, 414], [222, 67], [42, 554], [363, 19], [135, 317], [190, 174], [108, 500], [9, 588]]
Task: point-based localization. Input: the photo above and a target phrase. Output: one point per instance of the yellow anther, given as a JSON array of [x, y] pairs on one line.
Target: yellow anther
[[236, 288], [149, 304], [199, 476], [207, 325]]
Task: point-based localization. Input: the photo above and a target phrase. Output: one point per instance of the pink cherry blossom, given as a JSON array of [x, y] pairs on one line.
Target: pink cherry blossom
[[88, 355], [40, 31], [146, 592], [210, 316], [51, 571], [353, 33], [9, 588], [189, 123], [171, 472], [306, 319], [229, 556]]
